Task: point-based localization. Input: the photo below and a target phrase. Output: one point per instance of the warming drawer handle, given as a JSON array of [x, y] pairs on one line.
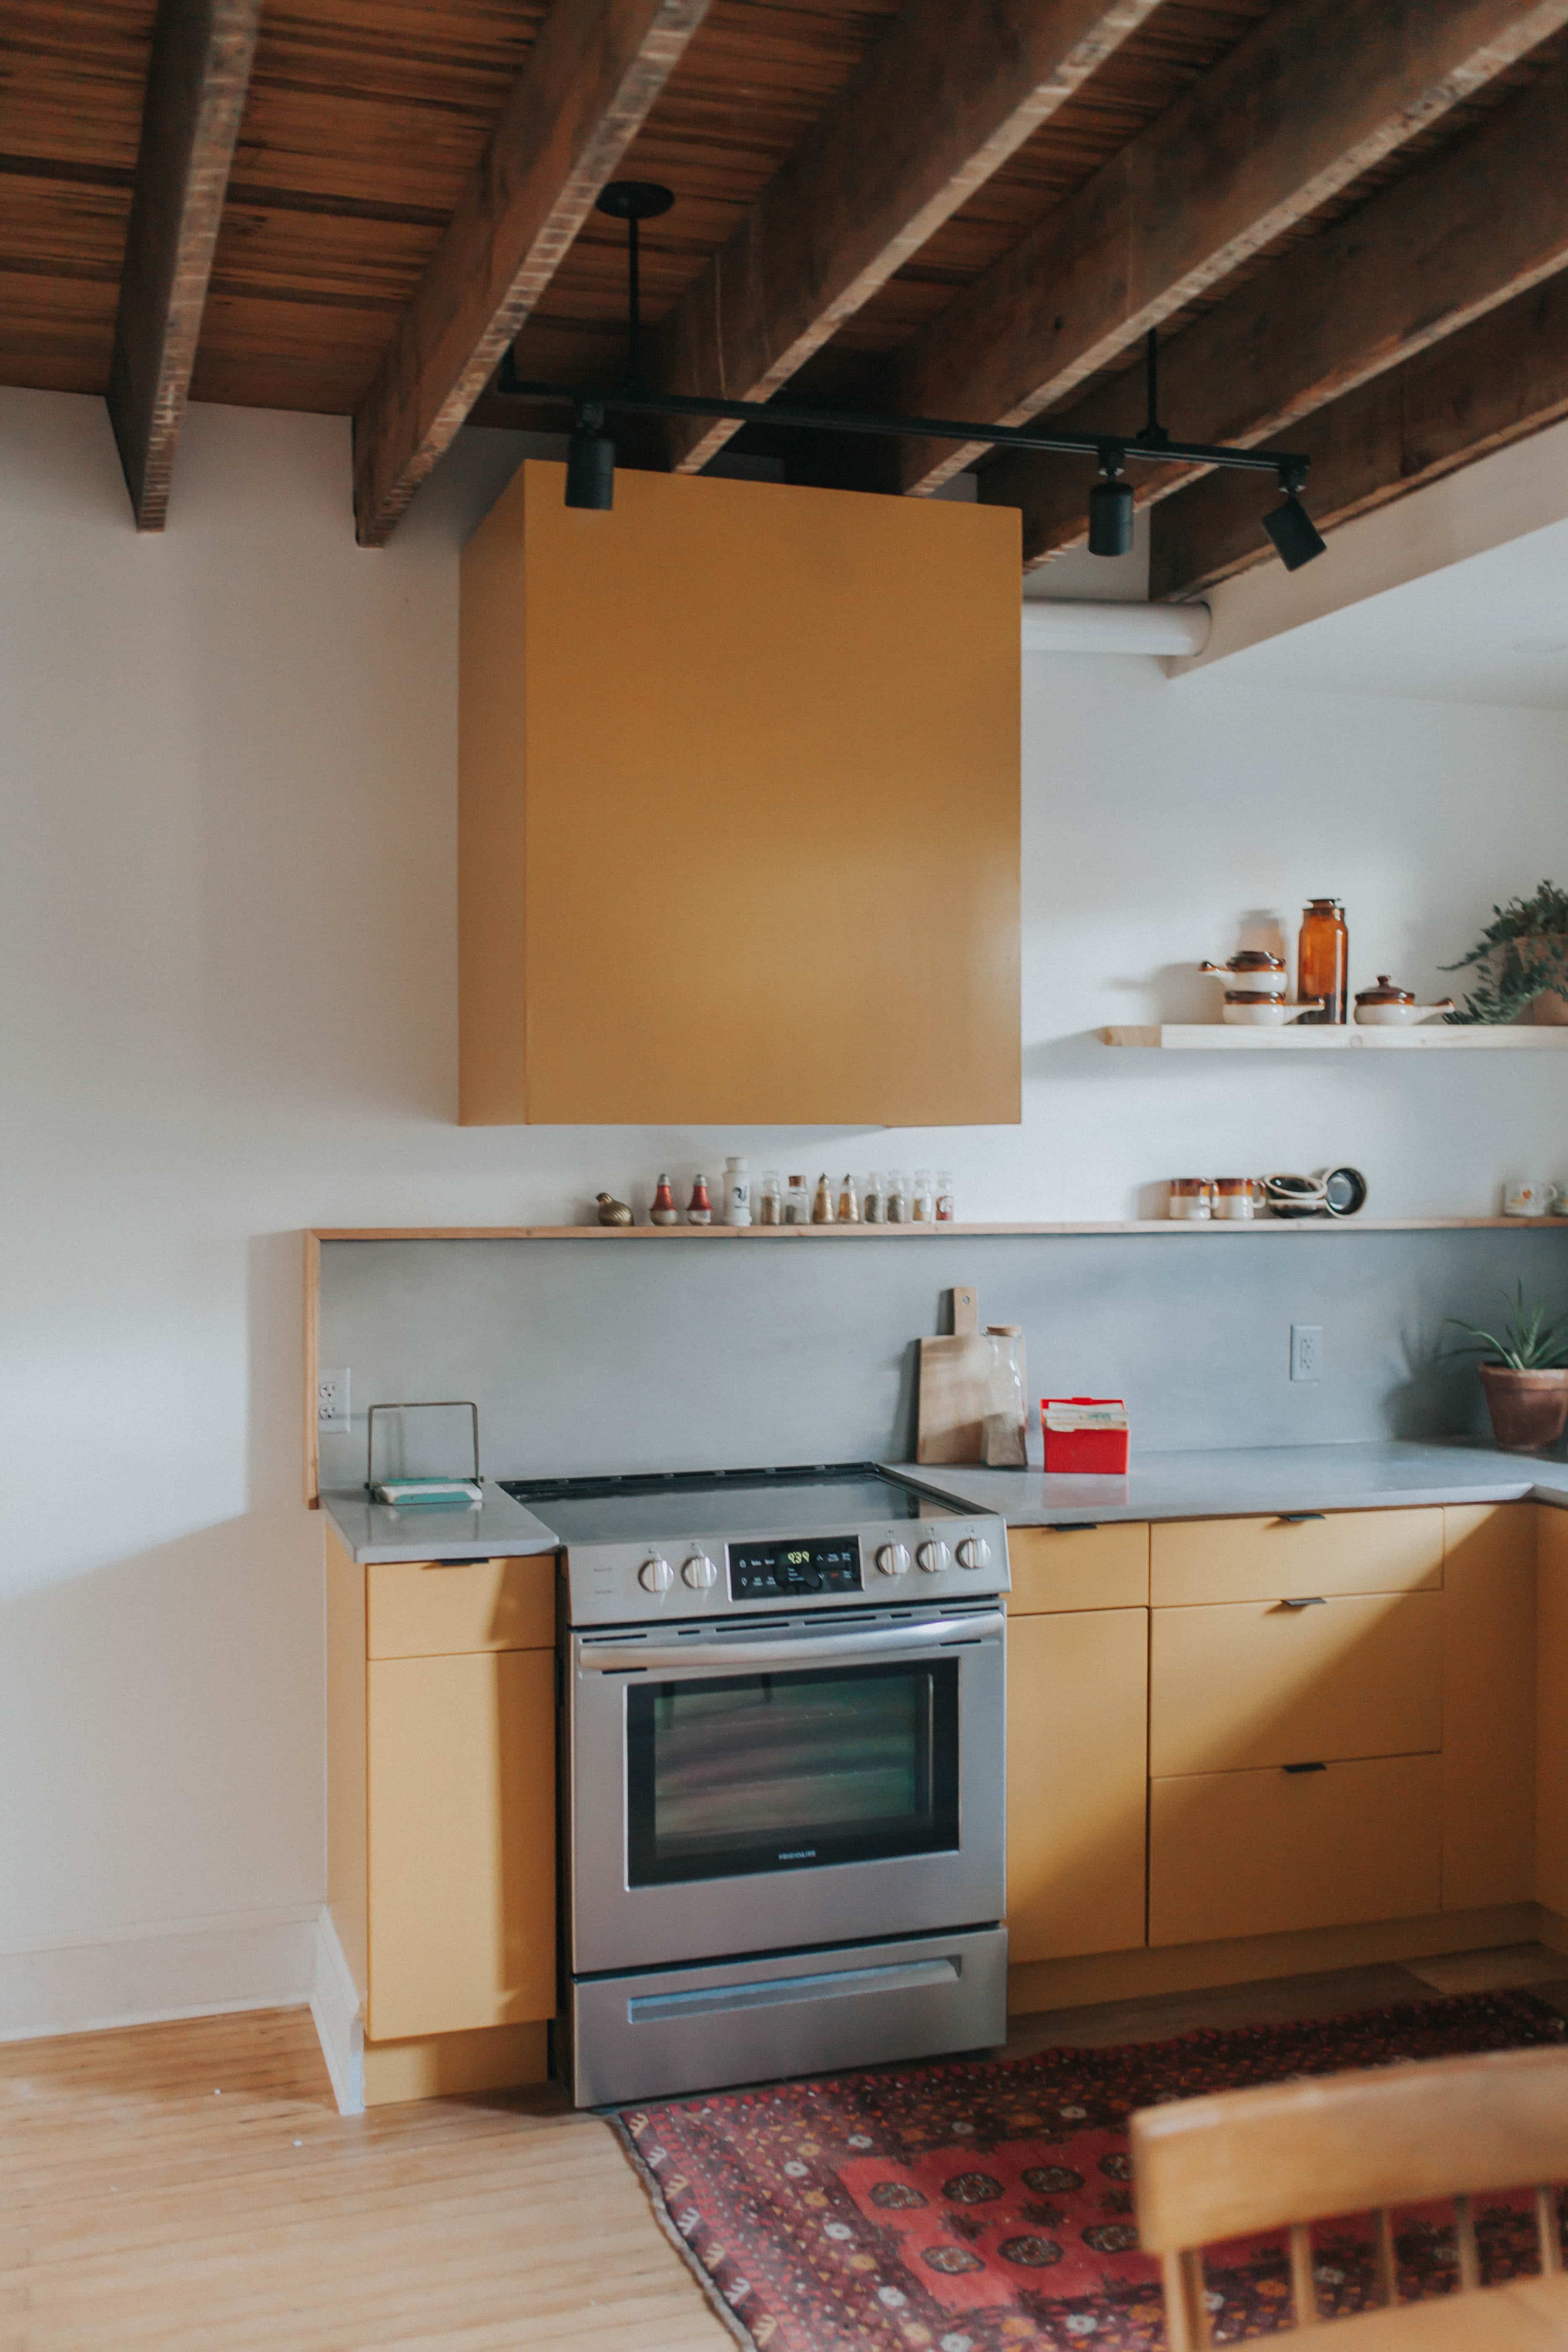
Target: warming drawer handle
[[806, 1650], [1305, 1601], [828, 1984], [1073, 1526], [1304, 1767], [1299, 1519]]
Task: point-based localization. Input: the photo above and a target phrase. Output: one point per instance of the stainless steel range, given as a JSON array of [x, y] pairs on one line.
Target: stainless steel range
[[785, 1776]]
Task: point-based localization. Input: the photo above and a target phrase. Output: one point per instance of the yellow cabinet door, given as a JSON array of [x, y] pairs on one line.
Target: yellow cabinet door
[[1078, 1567], [1077, 1783], [1260, 1682], [1258, 1853], [462, 1842], [432, 1608], [1552, 1683], [1489, 1706], [1195, 1560]]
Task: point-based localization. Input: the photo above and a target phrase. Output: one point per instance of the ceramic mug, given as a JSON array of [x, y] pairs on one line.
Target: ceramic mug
[[1528, 1196]]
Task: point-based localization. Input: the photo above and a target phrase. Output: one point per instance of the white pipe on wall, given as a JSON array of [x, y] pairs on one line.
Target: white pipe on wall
[[1053, 626]]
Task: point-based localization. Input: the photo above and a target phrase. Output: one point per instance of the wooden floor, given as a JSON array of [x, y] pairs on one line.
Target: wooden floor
[[191, 2188]]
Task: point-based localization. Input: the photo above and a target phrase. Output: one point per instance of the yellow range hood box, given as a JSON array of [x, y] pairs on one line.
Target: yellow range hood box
[[739, 808]]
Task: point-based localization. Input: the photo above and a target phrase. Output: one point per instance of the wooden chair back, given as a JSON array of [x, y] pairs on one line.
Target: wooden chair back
[[1290, 2154]]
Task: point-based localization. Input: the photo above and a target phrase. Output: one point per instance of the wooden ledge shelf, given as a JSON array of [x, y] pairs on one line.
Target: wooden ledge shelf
[[701, 1234], [1215, 1036]]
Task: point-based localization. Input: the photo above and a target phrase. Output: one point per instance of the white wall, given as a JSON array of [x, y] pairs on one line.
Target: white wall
[[226, 914]]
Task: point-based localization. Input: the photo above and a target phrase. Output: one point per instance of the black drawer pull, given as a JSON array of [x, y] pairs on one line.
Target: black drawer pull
[[1304, 1768], [1299, 1519], [1071, 1526], [1307, 1601]]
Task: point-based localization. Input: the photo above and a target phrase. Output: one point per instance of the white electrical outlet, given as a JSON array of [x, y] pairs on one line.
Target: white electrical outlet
[[1306, 1351], [332, 1404]]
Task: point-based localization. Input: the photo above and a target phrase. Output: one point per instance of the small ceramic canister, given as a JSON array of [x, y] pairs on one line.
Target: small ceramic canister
[[1235, 1197], [1192, 1198], [1528, 1196]]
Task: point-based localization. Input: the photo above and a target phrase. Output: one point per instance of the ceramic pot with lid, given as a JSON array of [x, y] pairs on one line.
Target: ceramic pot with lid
[[1389, 1007], [1245, 1010], [1251, 971]]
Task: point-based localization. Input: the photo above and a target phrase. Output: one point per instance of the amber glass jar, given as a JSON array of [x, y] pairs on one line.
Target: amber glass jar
[[1322, 961]]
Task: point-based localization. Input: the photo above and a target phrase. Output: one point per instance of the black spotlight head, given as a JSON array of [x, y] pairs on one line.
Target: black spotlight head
[[591, 471], [638, 200], [1110, 517], [1297, 538]]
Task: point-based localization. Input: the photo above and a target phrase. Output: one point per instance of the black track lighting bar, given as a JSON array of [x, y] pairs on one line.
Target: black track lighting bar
[[1110, 450]]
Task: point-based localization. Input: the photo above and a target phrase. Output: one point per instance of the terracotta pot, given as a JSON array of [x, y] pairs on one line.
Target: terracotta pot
[[1528, 1410], [1550, 1011]]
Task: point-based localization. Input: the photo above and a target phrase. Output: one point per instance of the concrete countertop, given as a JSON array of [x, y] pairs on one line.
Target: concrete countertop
[[1243, 1481], [497, 1529]]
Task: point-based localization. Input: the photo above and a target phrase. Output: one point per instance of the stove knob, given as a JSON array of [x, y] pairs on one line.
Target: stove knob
[[933, 1558], [656, 1575], [892, 1559], [974, 1552], [699, 1572]]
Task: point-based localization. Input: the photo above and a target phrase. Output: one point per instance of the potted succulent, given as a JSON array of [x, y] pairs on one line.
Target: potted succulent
[[1523, 1374], [1523, 960]]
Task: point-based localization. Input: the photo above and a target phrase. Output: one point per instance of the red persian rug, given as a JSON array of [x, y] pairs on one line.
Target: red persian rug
[[967, 2207]]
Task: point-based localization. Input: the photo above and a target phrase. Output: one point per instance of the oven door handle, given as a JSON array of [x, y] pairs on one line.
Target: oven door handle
[[809, 1650]]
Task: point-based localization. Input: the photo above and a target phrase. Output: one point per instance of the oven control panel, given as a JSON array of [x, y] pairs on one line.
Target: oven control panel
[[688, 1579], [791, 1569]]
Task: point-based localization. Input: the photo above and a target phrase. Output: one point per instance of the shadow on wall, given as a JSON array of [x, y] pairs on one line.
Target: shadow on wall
[[161, 1735]]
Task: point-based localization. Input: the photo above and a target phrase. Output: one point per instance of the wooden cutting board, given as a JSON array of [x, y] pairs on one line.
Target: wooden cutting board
[[955, 1387]]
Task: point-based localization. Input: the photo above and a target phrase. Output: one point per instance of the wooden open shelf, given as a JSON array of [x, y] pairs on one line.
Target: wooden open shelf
[[701, 1234], [1215, 1036]]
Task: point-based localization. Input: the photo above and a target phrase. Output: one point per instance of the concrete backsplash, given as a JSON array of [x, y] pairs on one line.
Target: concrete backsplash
[[676, 1354]]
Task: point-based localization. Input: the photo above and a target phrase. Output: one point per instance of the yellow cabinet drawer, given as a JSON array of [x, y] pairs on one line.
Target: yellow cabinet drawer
[[1078, 1567], [1259, 1681], [433, 1609], [462, 1843], [1259, 1853], [1195, 1560], [1078, 1704]]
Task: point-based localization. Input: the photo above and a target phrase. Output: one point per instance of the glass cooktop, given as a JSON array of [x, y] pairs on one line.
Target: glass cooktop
[[816, 1498]]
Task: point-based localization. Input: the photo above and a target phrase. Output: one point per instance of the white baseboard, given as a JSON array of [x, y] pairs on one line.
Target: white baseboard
[[340, 2027], [200, 1967]]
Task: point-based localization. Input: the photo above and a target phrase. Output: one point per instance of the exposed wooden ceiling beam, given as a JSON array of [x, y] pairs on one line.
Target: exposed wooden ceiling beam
[[595, 67], [1484, 222], [1495, 382], [197, 81], [951, 90], [1321, 91]]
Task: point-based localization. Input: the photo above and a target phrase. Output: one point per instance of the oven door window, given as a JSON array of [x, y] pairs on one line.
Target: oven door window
[[742, 1773]]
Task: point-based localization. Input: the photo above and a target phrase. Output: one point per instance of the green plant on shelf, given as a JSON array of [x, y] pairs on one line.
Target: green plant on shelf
[[1521, 955], [1530, 1342]]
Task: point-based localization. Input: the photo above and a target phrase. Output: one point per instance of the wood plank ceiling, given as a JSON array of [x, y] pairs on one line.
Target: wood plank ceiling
[[1347, 218]]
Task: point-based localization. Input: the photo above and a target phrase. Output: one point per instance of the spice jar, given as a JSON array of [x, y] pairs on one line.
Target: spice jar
[[1235, 1197], [873, 1201], [822, 1206], [945, 1211], [922, 1207], [1191, 1197], [737, 1193], [797, 1202], [700, 1212], [770, 1201], [898, 1198], [1322, 962], [664, 1211], [848, 1202]]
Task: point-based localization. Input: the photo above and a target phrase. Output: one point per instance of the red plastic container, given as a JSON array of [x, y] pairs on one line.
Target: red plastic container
[[1085, 1434]]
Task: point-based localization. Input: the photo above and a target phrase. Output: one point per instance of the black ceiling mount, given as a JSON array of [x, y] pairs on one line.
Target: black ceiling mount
[[634, 200], [590, 477]]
